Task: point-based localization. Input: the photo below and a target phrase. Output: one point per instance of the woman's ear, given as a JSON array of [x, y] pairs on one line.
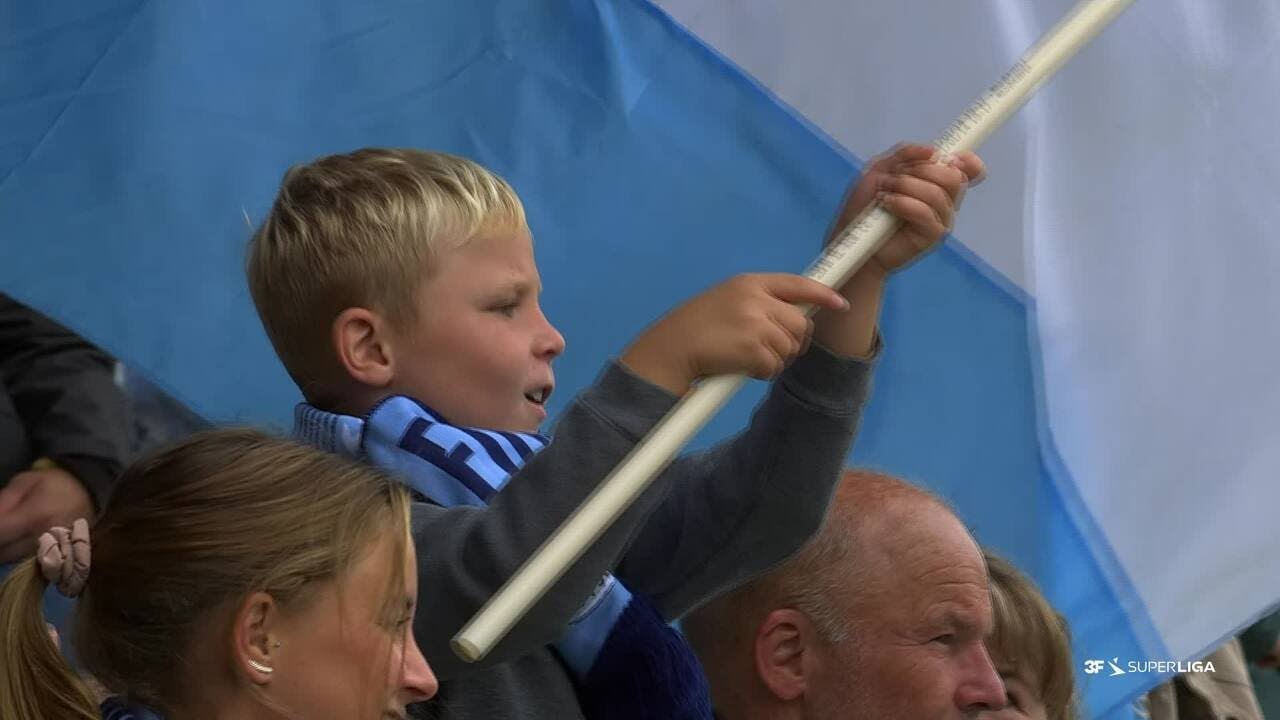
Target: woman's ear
[[255, 643]]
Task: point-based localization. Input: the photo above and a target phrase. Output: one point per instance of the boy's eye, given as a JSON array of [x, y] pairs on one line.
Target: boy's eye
[[507, 309]]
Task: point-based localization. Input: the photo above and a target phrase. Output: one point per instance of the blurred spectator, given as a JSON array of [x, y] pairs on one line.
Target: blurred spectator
[[1224, 694], [1031, 648], [1262, 649], [64, 428]]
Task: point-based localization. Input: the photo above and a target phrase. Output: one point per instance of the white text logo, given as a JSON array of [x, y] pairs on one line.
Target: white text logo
[[1093, 667]]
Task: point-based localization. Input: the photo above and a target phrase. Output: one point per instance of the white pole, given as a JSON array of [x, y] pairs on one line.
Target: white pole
[[855, 244]]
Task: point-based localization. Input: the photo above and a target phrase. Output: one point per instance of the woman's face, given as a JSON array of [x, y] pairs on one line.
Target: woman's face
[[350, 654], [1024, 701]]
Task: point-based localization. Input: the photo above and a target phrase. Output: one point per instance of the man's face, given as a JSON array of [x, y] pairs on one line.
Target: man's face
[[480, 350], [917, 652]]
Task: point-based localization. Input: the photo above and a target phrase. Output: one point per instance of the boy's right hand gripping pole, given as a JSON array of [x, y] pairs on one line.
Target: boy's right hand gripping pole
[[856, 243]]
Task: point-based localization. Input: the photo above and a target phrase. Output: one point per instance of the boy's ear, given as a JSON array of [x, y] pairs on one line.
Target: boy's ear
[[362, 341]]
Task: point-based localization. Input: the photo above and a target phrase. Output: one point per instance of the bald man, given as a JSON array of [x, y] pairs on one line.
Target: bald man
[[880, 617]]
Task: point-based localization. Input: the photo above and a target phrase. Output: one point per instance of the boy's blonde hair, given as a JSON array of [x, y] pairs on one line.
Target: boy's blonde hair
[[363, 230], [1032, 637]]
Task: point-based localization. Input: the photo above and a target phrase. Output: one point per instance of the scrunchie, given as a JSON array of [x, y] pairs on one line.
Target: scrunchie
[[64, 555]]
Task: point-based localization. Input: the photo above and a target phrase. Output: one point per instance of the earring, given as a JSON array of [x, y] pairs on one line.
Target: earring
[[267, 669]]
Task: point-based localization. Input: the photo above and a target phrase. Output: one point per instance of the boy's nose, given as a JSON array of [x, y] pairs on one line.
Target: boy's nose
[[550, 342]]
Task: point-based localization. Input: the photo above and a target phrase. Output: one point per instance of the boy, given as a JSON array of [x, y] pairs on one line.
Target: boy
[[400, 291]]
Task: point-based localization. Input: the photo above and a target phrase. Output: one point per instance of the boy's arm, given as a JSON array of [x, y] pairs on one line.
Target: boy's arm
[[466, 554], [749, 503], [745, 505]]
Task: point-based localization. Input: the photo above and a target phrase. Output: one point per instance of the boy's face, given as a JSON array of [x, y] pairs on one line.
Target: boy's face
[[480, 350]]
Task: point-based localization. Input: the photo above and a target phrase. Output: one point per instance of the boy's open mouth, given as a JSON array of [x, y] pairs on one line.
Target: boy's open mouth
[[539, 396]]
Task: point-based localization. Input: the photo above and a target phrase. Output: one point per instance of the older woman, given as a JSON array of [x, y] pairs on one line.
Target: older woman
[[1030, 647]]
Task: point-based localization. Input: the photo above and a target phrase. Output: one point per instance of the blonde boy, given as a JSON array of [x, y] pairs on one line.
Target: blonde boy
[[399, 289]]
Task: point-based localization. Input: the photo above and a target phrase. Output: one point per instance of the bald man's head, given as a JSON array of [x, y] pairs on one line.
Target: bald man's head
[[891, 559], [843, 561]]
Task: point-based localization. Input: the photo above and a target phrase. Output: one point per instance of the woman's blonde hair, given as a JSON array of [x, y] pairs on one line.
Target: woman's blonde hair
[[188, 533], [1032, 636], [363, 229]]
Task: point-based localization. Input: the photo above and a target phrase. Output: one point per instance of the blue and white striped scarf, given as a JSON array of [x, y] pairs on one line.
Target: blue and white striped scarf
[[627, 661]]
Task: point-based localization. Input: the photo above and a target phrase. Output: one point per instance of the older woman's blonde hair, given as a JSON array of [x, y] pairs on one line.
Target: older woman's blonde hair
[[1032, 637]]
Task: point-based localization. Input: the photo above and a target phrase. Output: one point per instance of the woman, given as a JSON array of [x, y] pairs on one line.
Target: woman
[[1030, 647], [232, 576]]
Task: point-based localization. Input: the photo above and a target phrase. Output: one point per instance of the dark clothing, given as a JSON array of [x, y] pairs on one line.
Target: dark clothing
[[1259, 640], [58, 400]]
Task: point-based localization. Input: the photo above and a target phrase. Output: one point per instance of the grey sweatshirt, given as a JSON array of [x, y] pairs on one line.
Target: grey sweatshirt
[[709, 522]]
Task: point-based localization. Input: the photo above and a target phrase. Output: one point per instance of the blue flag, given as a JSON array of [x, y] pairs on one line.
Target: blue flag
[[1084, 370]]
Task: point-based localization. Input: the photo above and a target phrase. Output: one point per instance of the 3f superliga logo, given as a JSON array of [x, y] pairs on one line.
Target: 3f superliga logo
[[1093, 667]]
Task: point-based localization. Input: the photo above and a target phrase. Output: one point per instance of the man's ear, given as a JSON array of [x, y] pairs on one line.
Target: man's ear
[[784, 647], [363, 344]]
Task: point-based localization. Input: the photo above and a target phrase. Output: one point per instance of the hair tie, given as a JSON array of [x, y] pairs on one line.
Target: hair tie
[[64, 555]]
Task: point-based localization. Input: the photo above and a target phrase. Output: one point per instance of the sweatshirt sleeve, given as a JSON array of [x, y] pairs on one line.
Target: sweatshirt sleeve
[[63, 390], [748, 503]]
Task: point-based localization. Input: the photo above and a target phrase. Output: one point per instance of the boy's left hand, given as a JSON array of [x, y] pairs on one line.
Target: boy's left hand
[[924, 193]]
